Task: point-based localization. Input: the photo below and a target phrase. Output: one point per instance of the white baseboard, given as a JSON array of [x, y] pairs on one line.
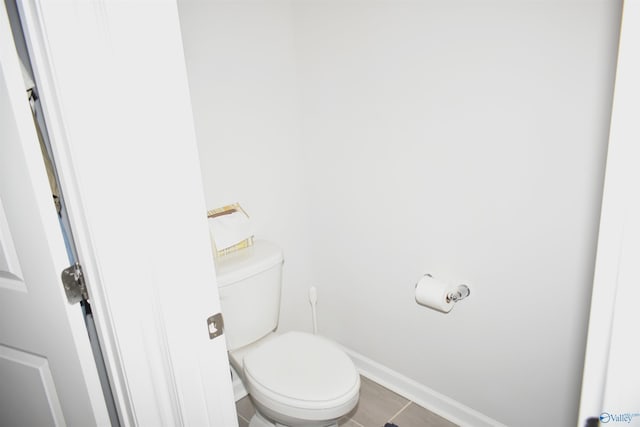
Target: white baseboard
[[435, 402]]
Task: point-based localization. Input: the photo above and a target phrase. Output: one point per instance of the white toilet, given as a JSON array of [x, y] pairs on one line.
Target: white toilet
[[295, 378]]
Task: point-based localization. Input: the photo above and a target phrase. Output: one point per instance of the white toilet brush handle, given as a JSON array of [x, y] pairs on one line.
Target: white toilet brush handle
[[313, 299]]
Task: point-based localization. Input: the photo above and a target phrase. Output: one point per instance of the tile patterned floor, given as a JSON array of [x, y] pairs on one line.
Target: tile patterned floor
[[376, 407]]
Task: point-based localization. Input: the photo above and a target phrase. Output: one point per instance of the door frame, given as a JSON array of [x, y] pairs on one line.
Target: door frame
[[610, 369], [163, 370]]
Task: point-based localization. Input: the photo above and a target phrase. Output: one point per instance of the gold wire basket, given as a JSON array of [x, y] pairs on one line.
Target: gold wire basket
[[227, 210]]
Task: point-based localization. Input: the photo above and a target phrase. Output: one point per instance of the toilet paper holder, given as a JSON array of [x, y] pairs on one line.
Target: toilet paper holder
[[459, 293]]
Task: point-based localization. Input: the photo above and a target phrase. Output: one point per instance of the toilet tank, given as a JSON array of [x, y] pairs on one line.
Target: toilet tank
[[249, 283]]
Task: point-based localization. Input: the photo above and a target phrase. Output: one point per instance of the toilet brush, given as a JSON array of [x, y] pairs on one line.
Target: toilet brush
[[313, 299]]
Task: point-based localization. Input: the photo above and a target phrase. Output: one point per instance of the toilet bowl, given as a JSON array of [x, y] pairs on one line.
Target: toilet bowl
[[299, 379], [294, 379]]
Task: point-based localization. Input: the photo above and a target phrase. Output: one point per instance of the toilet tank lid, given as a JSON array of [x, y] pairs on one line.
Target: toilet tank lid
[[239, 265]]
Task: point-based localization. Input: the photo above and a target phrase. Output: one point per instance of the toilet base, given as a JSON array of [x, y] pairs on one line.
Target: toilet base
[[259, 421]]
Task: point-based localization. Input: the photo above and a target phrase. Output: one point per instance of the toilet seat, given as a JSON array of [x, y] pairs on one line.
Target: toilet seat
[[302, 376]]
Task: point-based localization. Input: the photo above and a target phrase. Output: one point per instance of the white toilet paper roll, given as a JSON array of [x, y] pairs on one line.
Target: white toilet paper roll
[[432, 293]]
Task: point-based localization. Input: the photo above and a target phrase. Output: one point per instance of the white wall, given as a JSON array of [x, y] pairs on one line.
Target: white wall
[[242, 74], [462, 139]]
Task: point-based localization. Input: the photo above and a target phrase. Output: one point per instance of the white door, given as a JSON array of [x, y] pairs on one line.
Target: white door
[[112, 81], [47, 373]]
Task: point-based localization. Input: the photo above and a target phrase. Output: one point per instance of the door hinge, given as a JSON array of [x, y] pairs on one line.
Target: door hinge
[[74, 285], [215, 325]]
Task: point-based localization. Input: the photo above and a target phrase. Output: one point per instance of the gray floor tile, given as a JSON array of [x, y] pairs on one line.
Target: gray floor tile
[[347, 422], [416, 416], [377, 404]]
